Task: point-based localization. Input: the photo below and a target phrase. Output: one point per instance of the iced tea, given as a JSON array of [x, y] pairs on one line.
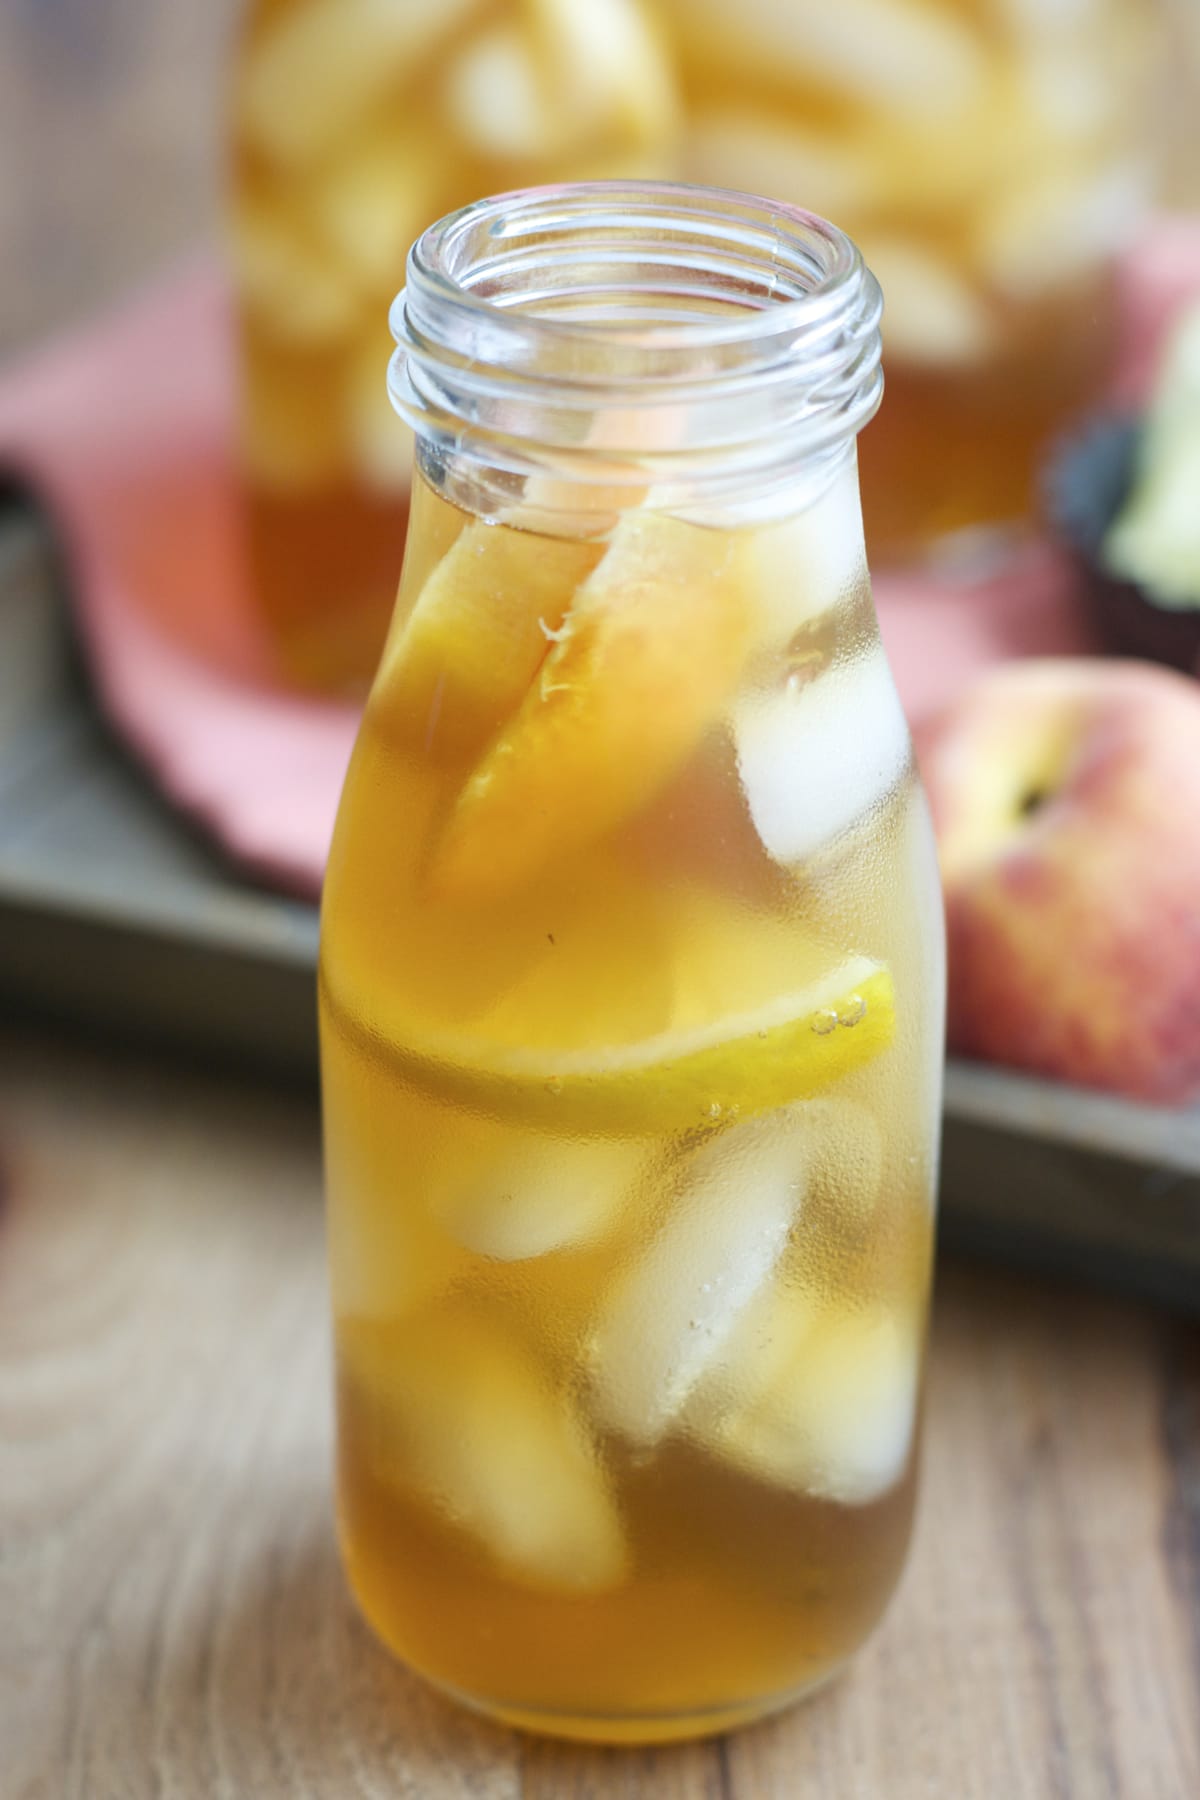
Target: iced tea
[[631, 1000]]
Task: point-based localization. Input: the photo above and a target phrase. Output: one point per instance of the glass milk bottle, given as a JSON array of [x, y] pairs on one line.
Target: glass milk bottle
[[631, 983]]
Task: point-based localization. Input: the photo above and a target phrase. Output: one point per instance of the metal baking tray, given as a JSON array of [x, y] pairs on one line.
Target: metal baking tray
[[116, 917]]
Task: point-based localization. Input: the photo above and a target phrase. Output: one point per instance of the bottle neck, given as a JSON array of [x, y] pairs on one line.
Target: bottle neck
[[689, 348]]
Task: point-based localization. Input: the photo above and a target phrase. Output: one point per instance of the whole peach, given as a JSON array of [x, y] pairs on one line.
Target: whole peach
[[1066, 797]]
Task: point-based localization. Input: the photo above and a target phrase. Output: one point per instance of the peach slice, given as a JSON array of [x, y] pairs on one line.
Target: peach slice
[[651, 648], [285, 276], [371, 200], [566, 75], [310, 77], [481, 626]]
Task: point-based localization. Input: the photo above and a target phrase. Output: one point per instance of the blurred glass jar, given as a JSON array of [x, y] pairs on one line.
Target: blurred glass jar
[[357, 123], [992, 158], [989, 155]]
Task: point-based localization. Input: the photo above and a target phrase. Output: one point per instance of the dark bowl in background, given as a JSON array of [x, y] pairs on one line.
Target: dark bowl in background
[[1084, 487]]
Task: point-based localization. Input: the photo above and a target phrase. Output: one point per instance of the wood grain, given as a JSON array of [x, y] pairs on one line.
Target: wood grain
[[173, 1618]]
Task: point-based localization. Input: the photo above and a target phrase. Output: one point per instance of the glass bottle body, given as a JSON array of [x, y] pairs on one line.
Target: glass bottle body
[[631, 1006]]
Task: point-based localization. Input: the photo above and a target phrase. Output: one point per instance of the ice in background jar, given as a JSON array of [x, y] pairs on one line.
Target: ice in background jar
[[631, 983], [989, 155], [991, 158], [356, 123]]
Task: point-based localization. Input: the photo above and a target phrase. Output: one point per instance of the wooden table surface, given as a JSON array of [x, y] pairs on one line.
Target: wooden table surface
[[172, 1621]]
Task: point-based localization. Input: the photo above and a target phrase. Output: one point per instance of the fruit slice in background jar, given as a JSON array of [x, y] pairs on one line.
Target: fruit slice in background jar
[[371, 200], [290, 285], [611, 716], [1060, 226], [746, 147], [558, 77], [455, 1409], [932, 314], [314, 70], [914, 59]]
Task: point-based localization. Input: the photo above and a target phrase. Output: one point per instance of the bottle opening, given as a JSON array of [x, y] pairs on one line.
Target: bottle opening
[[625, 333]]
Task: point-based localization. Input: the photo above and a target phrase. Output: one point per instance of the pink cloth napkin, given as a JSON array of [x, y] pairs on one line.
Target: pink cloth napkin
[[126, 431]]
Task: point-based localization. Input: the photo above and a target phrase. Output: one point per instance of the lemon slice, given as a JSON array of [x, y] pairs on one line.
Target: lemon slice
[[479, 630], [731, 1068]]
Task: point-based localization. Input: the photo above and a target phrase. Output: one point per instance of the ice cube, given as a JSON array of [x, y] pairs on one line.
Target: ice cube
[[826, 1401], [387, 1256], [540, 1195], [910, 58], [1044, 233], [312, 73], [815, 756], [847, 1152], [743, 147], [931, 314], [460, 1411], [807, 564], [670, 1313], [759, 1356], [285, 277]]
